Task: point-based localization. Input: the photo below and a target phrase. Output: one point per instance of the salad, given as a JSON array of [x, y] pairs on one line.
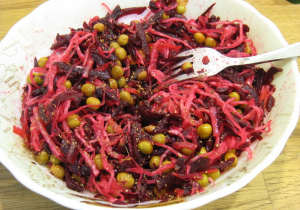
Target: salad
[[102, 113]]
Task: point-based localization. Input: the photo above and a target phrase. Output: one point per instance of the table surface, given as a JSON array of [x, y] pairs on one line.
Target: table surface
[[277, 187]]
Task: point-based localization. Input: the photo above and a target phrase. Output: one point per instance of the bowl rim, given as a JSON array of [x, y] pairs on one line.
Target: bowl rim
[[31, 185]]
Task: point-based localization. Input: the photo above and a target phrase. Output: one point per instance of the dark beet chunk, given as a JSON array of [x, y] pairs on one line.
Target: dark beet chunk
[[71, 150], [100, 61], [209, 145], [248, 74], [202, 164], [116, 12], [39, 91], [258, 79], [61, 41], [232, 75], [148, 116], [134, 40], [210, 102], [189, 186], [208, 10], [164, 124], [251, 93], [111, 96], [162, 120], [46, 148], [159, 151], [72, 153], [223, 89], [74, 168], [143, 38], [64, 68], [136, 72], [135, 136], [156, 18], [87, 26], [88, 128], [246, 28], [131, 51], [241, 122], [35, 62], [180, 165], [222, 164], [62, 97], [42, 114], [99, 74], [247, 92], [255, 136], [165, 181], [245, 145], [269, 76], [224, 97], [132, 10], [104, 47], [270, 103], [85, 170], [64, 148], [213, 19], [71, 184], [121, 166], [152, 6]]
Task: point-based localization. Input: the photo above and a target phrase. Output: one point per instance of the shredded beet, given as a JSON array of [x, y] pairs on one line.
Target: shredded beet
[[104, 115], [205, 60]]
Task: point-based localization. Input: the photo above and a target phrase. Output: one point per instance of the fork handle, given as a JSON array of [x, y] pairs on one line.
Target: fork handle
[[289, 51]]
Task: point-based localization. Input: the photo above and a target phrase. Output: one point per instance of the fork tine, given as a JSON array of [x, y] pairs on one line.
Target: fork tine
[[180, 63], [186, 53], [174, 73], [186, 76]]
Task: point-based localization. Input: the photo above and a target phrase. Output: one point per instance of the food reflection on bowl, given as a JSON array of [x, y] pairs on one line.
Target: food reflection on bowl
[[263, 154]]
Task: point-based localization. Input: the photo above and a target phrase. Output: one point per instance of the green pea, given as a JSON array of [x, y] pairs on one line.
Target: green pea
[[204, 131]]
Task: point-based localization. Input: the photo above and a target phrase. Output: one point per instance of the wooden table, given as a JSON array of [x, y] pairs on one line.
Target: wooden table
[[277, 187]]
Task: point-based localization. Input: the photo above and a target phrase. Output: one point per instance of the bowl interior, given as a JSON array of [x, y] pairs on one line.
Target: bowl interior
[[33, 36]]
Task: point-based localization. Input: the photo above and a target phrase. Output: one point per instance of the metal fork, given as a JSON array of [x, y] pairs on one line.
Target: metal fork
[[208, 62]]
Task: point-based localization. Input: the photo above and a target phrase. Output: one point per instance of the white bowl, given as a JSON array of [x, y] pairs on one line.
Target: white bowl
[[34, 34]]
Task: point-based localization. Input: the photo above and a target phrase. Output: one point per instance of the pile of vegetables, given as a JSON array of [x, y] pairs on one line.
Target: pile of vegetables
[[103, 115]]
